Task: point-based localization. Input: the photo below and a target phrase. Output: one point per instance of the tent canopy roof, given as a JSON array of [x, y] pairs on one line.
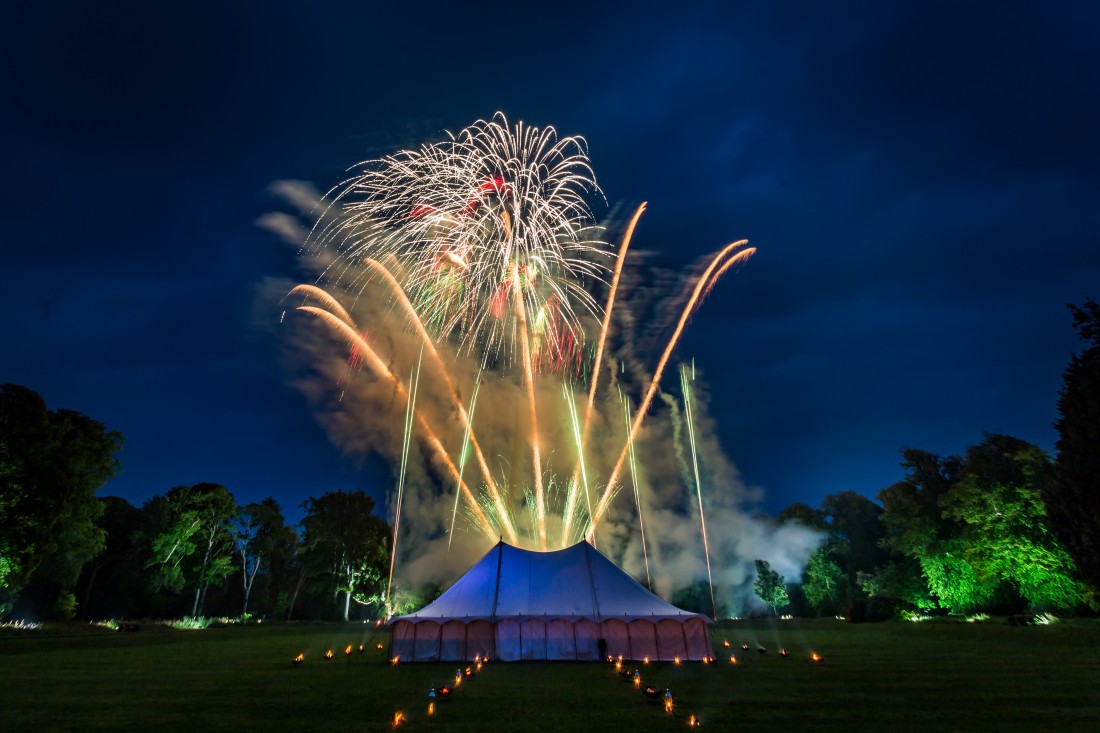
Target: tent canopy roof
[[578, 582]]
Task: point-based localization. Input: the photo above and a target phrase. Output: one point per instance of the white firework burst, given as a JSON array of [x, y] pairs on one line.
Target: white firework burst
[[485, 228]]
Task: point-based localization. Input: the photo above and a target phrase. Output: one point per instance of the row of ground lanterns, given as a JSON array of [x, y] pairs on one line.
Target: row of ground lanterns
[[651, 693]]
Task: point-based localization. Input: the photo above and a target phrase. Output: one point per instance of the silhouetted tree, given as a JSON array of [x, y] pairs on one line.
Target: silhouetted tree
[[1073, 498], [258, 529]]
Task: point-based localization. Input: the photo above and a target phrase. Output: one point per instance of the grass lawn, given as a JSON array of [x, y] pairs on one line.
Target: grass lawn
[[882, 677]]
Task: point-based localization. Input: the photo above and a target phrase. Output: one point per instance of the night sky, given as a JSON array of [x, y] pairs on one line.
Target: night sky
[[921, 180]]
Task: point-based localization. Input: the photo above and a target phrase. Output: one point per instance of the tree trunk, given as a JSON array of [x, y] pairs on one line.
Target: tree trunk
[[294, 597], [85, 610], [195, 605], [347, 604]]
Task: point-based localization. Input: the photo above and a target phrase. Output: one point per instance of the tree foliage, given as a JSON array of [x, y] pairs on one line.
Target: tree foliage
[[52, 463], [1073, 497], [346, 546], [770, 586]]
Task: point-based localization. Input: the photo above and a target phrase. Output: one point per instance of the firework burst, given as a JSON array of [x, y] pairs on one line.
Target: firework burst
[[483, 245], [467, 223]]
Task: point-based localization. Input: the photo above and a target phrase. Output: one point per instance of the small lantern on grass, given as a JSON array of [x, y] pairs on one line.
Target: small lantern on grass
[[733, 659], [445, 692], [347, 651], [726, 643], [762, 650], [360, 648], [816, 658], [651, 693], [668, 702], [637, 679], [645, 660], [398, 718], [431, 701], [625, 673], [297, 661], [619, 666], [676, 660], [458, 677], [784, 653], [694, 722], [396, 659], [469, 672], [378, 647], [328, 654], [744, 647]]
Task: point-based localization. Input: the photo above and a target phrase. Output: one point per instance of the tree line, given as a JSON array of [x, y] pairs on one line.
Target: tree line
[[66, 553], [1003, 528]]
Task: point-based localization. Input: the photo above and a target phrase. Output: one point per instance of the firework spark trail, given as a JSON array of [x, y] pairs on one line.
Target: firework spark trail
[[462, 459], [619, 260], [685, 389], [414, 380], [704, 280], [333, 305], [467, 420], [379, 367], [637, 493], [529, 379], [571, 491]]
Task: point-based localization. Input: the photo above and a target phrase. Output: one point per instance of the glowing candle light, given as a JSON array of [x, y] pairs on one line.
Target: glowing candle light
[[675, 660], [637, 679], [816, 658], [395, 660], [347, 651], [733, 659], [299, 659], [668, 702], [431, 702], [398, 718], [328, 654], [645, 660]]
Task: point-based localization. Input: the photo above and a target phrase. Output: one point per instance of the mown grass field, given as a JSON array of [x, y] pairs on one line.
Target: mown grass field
[[881, 677]]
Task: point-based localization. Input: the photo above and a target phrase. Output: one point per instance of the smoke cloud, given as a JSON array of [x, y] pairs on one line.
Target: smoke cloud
[[363, 411]]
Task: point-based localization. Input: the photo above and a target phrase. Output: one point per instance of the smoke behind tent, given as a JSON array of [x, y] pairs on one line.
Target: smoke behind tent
[[363, 414]]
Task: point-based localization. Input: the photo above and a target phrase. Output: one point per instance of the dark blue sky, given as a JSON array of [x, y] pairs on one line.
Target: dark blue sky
[[920, 179]]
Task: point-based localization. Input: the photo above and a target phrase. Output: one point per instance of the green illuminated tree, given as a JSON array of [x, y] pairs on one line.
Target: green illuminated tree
[[770, 586], [192, 545], [825, 584], [1005, 537], [1073, 498], [917, 529], [346, 547], [52, 463]]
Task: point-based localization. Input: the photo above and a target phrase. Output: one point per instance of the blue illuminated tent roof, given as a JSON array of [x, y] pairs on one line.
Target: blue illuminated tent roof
[[574, 583]]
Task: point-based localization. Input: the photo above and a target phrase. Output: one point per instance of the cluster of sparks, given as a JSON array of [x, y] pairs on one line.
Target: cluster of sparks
[[485, 243]]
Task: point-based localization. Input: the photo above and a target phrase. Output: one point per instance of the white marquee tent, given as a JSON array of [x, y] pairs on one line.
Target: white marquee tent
[[517, 604]]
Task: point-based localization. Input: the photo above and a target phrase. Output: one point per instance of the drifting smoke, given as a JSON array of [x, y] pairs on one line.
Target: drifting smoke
[[362, 405]]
